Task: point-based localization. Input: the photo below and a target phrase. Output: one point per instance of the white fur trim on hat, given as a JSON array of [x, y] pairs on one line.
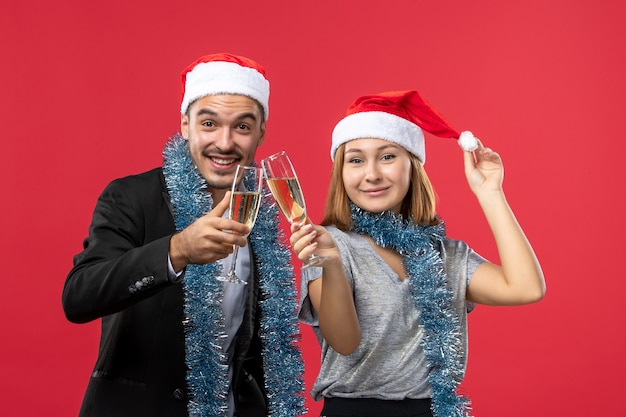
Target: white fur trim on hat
[[219, 77], [379, 125], [468, 141]]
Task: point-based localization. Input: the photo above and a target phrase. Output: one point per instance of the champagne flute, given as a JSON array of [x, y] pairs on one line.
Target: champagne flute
[[245, 199], [283, 183]]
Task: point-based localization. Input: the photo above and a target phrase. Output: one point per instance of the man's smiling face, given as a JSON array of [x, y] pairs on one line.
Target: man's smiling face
[[223, 131]]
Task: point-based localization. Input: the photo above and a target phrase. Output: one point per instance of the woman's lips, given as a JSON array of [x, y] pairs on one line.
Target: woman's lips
[[375, 192]]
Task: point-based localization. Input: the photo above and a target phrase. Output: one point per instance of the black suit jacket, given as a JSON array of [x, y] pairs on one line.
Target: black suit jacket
[[121, 276]]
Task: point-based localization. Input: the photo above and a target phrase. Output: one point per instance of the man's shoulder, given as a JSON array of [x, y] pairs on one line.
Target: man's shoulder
[[142, 177], [142, 182]]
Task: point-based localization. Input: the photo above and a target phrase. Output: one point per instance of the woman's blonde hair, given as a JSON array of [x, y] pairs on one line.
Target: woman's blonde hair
[[418, 204]]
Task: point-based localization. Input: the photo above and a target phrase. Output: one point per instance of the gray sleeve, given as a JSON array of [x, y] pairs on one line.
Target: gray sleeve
[[474, 260], [460, 263], [307, 313]]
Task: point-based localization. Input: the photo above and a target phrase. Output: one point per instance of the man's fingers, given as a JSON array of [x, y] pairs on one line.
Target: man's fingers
[[221, 207]]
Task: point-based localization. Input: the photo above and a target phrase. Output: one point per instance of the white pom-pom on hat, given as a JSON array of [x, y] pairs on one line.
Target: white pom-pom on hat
[[468, 141]]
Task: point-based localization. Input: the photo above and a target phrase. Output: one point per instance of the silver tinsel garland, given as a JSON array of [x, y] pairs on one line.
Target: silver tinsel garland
[[204, 322], [442, 341]]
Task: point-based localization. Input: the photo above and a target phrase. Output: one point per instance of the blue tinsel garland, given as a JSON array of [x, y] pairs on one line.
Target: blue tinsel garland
[[442, 341], [204, 322]]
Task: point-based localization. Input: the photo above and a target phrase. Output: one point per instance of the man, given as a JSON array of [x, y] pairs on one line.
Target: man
[[175, 341]]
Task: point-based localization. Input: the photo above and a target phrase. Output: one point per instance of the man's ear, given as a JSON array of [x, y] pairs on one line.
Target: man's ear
[[262, 137], [184, 125]]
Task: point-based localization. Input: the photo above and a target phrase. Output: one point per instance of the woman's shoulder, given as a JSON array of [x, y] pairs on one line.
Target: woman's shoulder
[[458, 251], [343, 236], [454, 247], [452, 243]]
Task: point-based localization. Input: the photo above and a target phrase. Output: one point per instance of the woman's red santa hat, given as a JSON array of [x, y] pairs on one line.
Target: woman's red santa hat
[[399, 117], [225, 74]]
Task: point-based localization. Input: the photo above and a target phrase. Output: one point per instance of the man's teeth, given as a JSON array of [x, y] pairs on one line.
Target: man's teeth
[[223, 161]]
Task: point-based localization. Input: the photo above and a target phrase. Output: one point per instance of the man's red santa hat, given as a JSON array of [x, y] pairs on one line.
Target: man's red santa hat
[[399, 117], [225, 74]]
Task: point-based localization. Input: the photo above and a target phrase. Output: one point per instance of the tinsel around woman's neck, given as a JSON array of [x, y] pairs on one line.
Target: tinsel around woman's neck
[[442, 342]]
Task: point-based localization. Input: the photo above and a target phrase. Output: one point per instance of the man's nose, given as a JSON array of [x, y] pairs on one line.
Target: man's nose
[[224, 139]]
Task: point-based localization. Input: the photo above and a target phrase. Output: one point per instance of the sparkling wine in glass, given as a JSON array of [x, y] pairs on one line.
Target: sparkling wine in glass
[[245, 199], [285, 187]]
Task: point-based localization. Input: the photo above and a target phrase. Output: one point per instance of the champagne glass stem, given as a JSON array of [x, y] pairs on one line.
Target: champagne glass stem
[[314, 258], [231, 276], [233, 262]]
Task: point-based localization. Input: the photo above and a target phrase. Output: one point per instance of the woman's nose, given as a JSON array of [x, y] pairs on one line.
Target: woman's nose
[[372, 172]]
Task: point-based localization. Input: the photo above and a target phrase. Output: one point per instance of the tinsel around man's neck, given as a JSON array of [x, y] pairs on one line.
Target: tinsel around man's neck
[[442, 342], [204, 322]]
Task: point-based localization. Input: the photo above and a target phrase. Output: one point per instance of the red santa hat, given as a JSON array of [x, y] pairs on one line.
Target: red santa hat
[[225, 74], [399, 117]]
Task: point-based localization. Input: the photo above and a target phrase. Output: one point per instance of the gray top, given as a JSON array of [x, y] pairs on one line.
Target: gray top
[[389, 362]]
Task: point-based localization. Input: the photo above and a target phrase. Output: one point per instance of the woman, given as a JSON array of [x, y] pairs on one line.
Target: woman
[[389, 302]]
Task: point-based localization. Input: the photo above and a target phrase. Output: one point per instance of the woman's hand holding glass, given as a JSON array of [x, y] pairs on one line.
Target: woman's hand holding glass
[[285, 187], [312, 240]]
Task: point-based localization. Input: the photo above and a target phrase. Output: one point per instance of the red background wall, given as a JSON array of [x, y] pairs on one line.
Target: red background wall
[[91, 92]]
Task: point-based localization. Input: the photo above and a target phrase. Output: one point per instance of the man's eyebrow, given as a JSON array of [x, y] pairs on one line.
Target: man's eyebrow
[[250, 115], [209, 112], [204, 111]]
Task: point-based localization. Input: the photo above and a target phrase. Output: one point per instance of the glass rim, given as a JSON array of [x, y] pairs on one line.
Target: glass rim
[[277, 154]]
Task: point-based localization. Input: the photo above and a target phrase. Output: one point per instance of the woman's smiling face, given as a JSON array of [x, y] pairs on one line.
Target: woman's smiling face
[[376, 174]]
